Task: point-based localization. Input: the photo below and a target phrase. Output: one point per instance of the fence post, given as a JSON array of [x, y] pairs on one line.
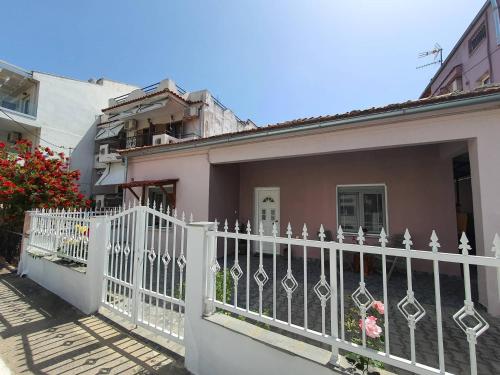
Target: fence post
[[196, 289], [98, 238]]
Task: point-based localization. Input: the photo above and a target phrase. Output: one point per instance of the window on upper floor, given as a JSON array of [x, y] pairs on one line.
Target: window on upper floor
[[476, 38], [484, 80], [362, 206]]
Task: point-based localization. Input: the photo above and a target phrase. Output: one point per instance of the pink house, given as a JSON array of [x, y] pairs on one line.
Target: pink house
[[429, 164]]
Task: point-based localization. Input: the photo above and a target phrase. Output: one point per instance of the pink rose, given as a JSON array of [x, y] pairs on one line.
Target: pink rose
[[371, 328], [379, 306]]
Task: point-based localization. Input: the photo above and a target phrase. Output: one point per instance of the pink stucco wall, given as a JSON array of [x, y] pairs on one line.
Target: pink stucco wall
[[420, 190], [192, 172]]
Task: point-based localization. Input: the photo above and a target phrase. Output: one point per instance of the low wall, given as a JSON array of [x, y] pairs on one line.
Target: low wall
[[225, 345], [82, 287], [71, 285]]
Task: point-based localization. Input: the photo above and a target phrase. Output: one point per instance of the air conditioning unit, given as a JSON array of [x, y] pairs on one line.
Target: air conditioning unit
[[103, 149], [191, 112], [13, 137], [163, 139], [130, 125]]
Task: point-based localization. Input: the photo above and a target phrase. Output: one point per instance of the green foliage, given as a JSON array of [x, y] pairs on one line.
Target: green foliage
[[219, 286]]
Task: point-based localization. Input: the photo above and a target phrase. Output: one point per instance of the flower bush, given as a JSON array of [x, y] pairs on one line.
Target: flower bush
[[374, 336], [35, 178]]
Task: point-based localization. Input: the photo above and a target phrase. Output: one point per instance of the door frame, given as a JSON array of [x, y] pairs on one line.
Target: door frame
[[256, 211]]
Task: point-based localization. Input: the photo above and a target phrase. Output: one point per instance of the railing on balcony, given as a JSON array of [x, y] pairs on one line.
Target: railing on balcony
[[141, 140], [148, 90]]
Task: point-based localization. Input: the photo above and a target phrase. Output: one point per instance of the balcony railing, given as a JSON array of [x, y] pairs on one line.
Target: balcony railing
[[141, 140], [148, 90]]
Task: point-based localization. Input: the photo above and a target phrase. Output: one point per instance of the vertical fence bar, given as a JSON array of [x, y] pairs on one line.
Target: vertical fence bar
[[249, 232], [333, 294], [224, 289], [383, 243], [434, 244], [340, 240], [275, 233], [304, 236]]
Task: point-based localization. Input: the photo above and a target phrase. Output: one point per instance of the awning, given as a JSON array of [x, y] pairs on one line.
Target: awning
[[114, 174], [109, 131], [147, 183]]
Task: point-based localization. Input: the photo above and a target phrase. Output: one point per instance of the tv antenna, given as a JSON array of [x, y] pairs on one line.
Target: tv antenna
[[437, 52]]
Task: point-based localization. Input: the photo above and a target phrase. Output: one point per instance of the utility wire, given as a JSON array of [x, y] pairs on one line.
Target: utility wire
[[34, 134]]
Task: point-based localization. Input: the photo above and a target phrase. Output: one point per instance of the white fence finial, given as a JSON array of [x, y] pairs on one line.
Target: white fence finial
[[464, 244], [321, 234], [496, 246], [361, 236], [226, 227], [249, 227], [191, 218], [237, 226], [168, 210], [407, 240], [340, 234], [304, 232], [289, 230], [383, 238], [275, 229], [261, 229], [434, 244]]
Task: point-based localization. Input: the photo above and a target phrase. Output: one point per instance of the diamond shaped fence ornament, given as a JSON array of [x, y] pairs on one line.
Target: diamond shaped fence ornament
[[411, 309], [322, 290], [236, 272], [181, 262], [215, 267], [126, 251], [463, 319], [362, 297], [117, 247], [289, 283], [261, 277], [85, 240], [166, 258], [108, 247], [151, 255]]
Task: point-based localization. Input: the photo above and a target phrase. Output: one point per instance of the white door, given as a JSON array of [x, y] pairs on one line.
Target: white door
[[267, 212]]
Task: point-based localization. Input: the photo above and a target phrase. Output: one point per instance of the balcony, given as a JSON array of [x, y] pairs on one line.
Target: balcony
[[141, 140], [18, 90]]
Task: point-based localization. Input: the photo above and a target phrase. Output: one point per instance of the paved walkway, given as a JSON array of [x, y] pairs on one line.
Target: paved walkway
[[42, 334]]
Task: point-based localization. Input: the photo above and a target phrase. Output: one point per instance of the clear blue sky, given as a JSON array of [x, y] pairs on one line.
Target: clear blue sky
[[268, 60]]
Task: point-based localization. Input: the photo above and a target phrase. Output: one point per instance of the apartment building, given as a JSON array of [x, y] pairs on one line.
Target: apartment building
[[162, 113], [474, 61], [50, 110]]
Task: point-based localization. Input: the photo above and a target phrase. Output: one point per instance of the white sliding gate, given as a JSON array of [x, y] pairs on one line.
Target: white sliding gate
[[144, 271]]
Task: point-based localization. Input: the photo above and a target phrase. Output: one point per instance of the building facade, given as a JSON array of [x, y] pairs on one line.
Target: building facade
[[51, 110], [475, 60], [162, 113], [393, 167]]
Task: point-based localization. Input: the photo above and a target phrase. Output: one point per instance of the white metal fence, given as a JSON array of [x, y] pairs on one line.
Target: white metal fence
[[328, 291], [61, 233]]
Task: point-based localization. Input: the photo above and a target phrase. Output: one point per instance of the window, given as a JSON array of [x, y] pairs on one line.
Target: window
[[477, 38], [161, 196], [484, 80], [361, 206]]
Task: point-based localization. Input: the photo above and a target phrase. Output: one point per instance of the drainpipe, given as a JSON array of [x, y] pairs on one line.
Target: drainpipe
[[496, 19], [488, 47]]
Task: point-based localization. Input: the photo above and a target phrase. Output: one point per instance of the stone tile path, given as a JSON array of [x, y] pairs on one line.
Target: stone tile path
[[41, 334], [455, 343]]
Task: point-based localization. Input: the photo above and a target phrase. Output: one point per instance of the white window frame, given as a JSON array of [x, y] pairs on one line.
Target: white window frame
[[365, 186]]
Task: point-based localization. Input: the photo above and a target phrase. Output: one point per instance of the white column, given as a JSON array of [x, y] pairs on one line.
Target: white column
[[484, 155], [98, 239], [196, 271]]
